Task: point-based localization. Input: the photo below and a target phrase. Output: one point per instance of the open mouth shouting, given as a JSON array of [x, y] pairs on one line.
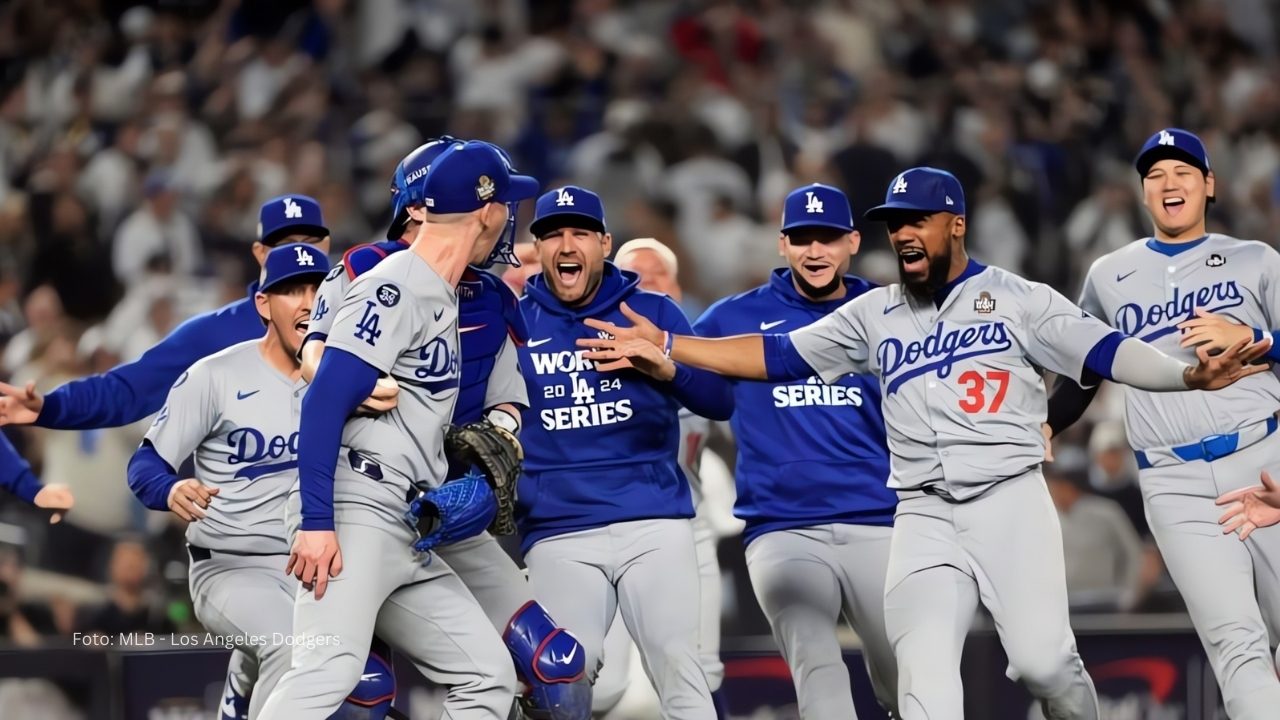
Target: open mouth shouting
[[1173, 206], [301, 326], [814, 271], [913, 260], [569, 272]]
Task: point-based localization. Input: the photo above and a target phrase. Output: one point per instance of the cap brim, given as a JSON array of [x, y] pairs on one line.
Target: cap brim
[[880, 212], [522, 187], [312, 230], [295, 275], [1144, 161], [563, 220], [817, 224]]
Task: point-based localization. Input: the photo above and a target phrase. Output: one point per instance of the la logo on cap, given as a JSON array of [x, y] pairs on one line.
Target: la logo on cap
[[304, 258], [485, 188], [292, 209], [815, 203], [1166, 138], [563, 197], [900, 185]]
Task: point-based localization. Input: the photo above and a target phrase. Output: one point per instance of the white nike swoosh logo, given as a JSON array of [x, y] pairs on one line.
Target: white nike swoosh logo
[[767, 325], [566, 659], [536, 343], [470, 329], [369, 676]]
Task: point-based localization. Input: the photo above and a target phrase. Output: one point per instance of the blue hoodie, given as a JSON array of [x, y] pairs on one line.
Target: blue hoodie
[[808, 453], [600, 447]]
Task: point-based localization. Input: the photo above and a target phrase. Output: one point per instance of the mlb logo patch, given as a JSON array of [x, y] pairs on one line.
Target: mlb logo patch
[[985, 304], [389, 295], [1215, 260]]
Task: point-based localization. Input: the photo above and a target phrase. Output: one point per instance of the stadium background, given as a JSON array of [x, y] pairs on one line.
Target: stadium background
[[137, 140]]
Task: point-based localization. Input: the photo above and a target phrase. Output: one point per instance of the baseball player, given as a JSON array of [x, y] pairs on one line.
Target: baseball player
[[602, 505], [17, 478], [658, 270], [812, 467], [490, 388], [352, 550], [238, 411], [958, 348], [1191, 447], [138, 389]]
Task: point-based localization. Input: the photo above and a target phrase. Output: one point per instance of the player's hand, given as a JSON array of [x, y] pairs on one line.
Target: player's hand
[[384, 398], [611, 355], [1251, 508], [314, 559], [188, 499], [1213, 332], [641, 328], [1047, 432], [55, 497], [1230, 365], [19, 406]]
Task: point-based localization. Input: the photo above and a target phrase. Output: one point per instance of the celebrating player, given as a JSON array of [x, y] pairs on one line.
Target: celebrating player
[[812, 467], [658, 270], [352, 551], [491, 389], [958, 348], [134, 390], [238, 411], [603, 506], [1190, 446]]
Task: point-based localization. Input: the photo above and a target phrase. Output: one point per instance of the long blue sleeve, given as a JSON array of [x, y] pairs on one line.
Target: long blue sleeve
[[15, 472], [702, 392], [132, 391], [150, 477], [782, 361], [342, 382]]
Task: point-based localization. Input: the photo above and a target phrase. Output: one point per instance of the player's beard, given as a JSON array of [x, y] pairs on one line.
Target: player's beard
[[924, 290]]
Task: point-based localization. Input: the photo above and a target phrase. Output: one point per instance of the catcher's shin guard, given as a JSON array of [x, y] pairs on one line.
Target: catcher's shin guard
[[552, 662], [372, 697]]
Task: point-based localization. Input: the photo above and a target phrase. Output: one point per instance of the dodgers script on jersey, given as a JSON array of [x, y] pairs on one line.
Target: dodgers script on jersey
[[1146, 288], [490, 362], [401, 318], [240, 416], [963, 396]]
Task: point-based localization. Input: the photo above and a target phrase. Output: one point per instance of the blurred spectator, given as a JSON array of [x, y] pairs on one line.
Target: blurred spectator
[[159, 230], [130, 608], [1102, 551], [42, 312], [1113, 472], [21, 624]]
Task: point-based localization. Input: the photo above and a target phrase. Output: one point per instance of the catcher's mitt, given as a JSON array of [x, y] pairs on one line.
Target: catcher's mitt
[[455, 511], [496, 452]]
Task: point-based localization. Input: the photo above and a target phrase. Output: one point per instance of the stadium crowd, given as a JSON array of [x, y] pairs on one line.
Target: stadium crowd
[[137, 141]]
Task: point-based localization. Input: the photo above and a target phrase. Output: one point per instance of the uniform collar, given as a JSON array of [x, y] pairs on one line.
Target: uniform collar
[[973, 268], [1172, 249]]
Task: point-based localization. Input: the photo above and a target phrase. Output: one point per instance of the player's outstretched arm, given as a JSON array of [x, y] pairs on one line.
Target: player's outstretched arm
[[737, 356], [1140, 365]]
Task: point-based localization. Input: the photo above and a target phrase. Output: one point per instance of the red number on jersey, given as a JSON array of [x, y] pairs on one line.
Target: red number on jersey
[[975, 397]]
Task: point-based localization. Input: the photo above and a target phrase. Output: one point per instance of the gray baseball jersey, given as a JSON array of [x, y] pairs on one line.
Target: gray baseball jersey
[[504, 383], [962, 386], [1145, 293], [401, 318], [240, 416]]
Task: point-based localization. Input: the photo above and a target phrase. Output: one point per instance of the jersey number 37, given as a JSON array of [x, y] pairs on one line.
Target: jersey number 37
[[975, 396]]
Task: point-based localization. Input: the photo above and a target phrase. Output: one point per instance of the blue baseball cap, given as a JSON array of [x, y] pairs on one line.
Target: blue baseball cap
[[467, 176], [292, 261], [568, 206], [406, 184], [921, 189], [817, 205], [289, 214], [1172, 143]]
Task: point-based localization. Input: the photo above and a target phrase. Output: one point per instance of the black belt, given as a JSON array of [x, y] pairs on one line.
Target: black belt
[[198, 553]]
